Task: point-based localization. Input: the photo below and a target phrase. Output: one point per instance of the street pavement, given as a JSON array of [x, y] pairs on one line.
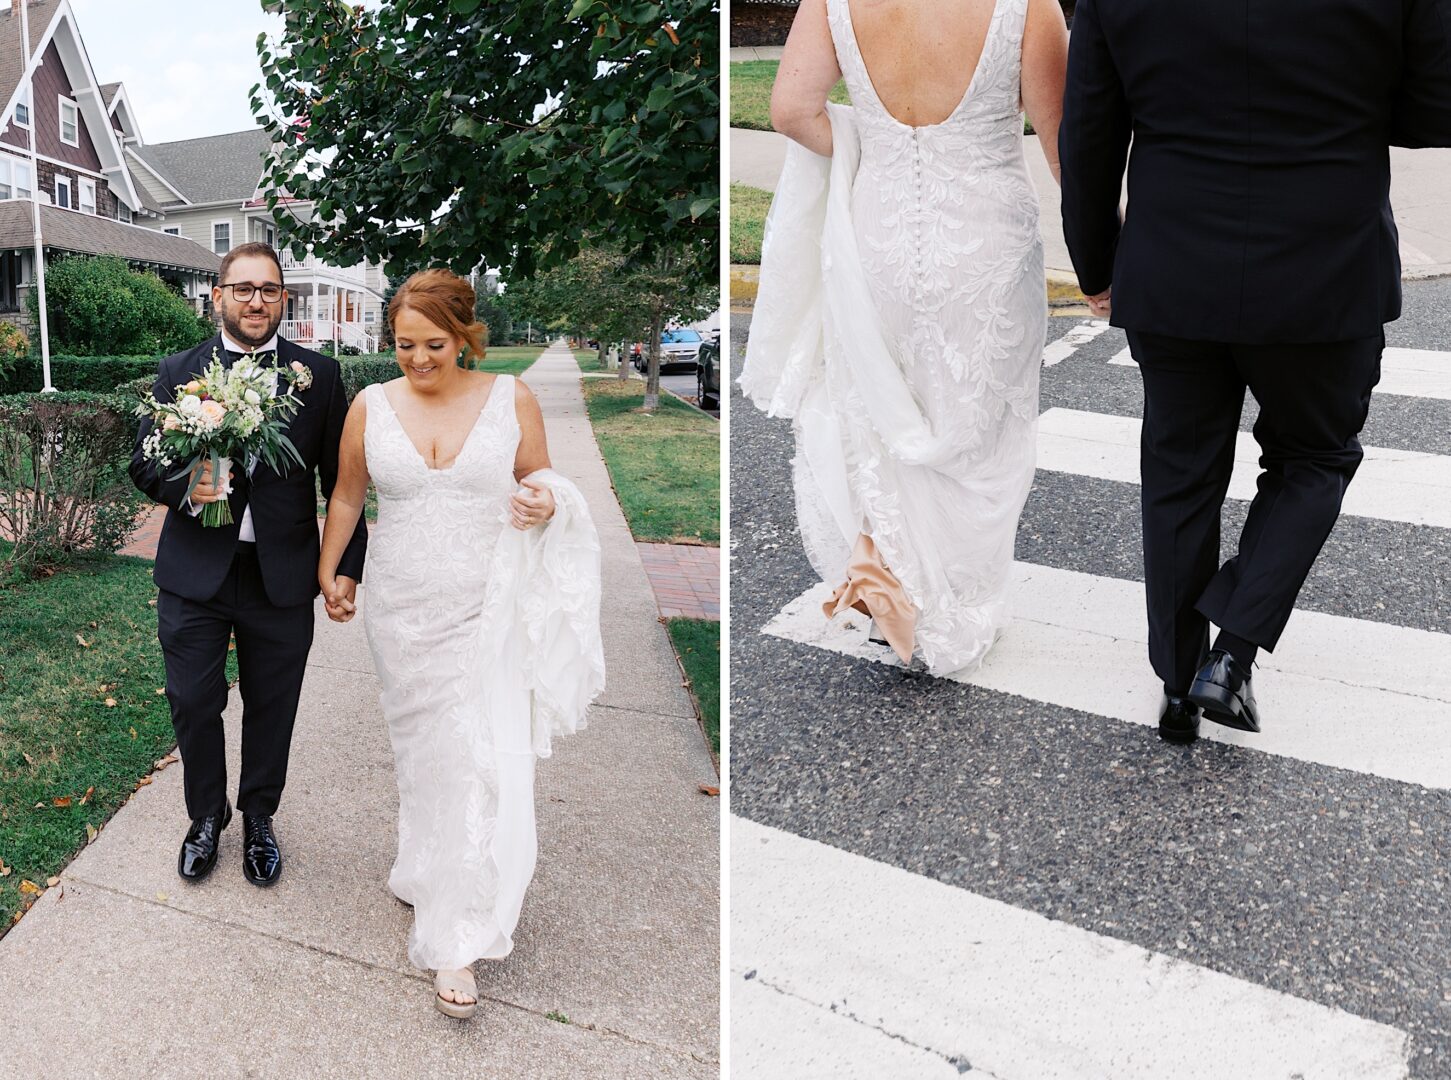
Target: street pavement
[[124, 970], [1012, 876], [1420, 194]]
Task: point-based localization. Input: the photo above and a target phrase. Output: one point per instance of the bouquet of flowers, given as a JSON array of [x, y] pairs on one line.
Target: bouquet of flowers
[[224, 415]]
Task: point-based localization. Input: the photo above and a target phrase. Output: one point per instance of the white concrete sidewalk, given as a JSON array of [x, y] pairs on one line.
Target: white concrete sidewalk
[[125, 970]]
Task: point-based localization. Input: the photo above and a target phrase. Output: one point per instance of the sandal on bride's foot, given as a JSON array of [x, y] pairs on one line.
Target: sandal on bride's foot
[[458, 985]]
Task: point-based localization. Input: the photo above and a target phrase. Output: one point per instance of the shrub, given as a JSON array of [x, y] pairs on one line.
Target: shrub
[[100, 306], [361, 371], [14, 345], [65, 490], [96, 374]]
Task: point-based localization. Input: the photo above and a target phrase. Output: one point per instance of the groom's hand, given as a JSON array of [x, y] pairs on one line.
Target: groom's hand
[[340, 601], [1102, 304], [206, 487]]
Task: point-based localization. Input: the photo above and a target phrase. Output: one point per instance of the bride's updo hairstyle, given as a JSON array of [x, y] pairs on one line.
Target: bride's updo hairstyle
[[447, 301]]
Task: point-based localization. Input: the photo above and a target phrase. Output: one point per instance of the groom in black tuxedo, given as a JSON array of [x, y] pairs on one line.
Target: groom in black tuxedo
[[255, 579], [1258, 251]]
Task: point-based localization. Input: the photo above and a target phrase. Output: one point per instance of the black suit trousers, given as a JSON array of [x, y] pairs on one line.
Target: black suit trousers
[[1313, 401], [272, 648]]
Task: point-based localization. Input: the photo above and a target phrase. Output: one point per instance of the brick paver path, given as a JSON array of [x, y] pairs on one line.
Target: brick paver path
[[685, 577], [144, 540]]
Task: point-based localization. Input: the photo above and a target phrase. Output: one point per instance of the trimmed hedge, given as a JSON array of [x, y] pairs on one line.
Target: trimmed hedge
[[92, 374], [361, 371]]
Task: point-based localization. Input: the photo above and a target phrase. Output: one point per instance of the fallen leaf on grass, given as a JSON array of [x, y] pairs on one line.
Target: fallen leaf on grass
[[87, 796], [84, 643], [706, 789], [110, 703], [169, 759], [30, 888], [94, 626], [4, 870], [160, 690], [151, 602], [133, 733], [52, 882], [28, 759], [91, 832], [143, 781], [17, 916], [62, 802]]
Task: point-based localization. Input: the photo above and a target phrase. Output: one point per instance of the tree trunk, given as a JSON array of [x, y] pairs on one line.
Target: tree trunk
[[624, 372], [604, 358], [652, 380]]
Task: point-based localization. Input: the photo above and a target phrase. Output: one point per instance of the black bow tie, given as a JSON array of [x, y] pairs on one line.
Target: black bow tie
[[262, 359]]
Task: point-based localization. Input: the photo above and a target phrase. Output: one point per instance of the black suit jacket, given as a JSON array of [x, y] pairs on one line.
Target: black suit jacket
[[1259, 181], [192, 560]]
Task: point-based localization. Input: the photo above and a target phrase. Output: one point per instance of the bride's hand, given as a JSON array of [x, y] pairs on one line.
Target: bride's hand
[[531, 507], [337, 596]]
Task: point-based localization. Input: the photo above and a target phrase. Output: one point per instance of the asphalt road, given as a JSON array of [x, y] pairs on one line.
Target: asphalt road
[[1329, 884]]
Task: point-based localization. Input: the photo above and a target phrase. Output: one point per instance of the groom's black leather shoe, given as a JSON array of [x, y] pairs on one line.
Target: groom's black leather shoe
[[1178, 719], [199, 849], [261, 857], [1222, 689]]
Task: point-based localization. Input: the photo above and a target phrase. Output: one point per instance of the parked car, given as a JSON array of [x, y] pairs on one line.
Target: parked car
[[678, 349], [707, 376]]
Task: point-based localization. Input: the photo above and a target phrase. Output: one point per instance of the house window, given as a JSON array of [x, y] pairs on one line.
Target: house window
[[173, 231], [63, 192], [22, 109], [221, 237], [370, 316], [271, 236], [11, 277], [70, 129], [88, 196], [14, 178], [123, 213]]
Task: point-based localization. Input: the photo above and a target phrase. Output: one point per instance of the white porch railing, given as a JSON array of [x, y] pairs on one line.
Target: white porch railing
[[314, 332], [315, 267]]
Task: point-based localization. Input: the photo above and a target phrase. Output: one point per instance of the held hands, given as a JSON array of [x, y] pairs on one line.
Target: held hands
[[206, 490], [532, 506], [339, 597], [1102, 304]]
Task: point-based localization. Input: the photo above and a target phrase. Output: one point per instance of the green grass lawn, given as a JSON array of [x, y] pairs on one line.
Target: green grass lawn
[[510, 359], [80, 716], [748, 222], [697, 642], [665, 466], [751, 82]]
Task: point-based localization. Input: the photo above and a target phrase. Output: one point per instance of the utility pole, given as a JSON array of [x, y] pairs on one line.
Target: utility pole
[[35, 196]]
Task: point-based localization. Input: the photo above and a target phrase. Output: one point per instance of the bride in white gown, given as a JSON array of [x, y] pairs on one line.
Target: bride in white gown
[[482, 614], [902, 313]]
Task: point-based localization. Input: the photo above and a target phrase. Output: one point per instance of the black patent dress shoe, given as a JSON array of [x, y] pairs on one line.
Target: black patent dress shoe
[[199, 849], [1178, 719], [1222, 689], [261, 857]]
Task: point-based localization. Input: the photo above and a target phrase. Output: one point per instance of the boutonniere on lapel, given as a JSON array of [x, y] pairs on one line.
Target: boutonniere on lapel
[[226, 414]]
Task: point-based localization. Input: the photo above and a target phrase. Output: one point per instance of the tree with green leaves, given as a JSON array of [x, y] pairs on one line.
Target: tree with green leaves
[[601, 294], [502, 134]]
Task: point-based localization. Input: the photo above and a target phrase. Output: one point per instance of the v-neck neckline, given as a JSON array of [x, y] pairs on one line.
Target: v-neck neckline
[[423, 460]]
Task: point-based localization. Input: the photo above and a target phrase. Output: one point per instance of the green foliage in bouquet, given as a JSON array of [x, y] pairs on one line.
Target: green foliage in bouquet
[[98, 305], [225, 415], [65, 490], [509, 130]]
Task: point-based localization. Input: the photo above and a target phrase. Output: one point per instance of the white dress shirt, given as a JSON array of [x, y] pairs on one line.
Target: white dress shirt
[[246, 533]]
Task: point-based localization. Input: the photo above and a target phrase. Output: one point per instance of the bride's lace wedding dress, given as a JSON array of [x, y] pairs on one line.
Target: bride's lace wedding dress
[[900, 323], [486, 642]]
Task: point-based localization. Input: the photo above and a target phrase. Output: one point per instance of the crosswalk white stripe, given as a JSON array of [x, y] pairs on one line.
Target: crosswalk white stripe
[[1347, 693], [956, 976], [1391, 485], [1423, 373], [1055, 352]]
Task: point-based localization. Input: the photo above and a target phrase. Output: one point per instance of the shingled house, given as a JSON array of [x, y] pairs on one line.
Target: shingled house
[[209, 191], [89, 201], [173, 208]]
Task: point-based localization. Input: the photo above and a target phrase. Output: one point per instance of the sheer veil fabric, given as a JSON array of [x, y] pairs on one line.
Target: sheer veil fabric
[[486, 641], [900, 325]]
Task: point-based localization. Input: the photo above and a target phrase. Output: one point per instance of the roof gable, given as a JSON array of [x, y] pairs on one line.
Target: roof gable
[[215, 168]]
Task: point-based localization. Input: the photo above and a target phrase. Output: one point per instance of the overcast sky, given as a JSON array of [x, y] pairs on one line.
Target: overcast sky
[[187, 66]]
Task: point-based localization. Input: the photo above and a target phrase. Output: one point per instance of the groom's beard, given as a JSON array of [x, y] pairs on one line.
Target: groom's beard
[[237, 330]]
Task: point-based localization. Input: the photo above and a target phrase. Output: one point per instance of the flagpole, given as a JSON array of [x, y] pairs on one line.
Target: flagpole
[[35, 197]]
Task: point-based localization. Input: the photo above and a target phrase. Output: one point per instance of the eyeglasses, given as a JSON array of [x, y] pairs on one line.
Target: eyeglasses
[[243, 291]]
